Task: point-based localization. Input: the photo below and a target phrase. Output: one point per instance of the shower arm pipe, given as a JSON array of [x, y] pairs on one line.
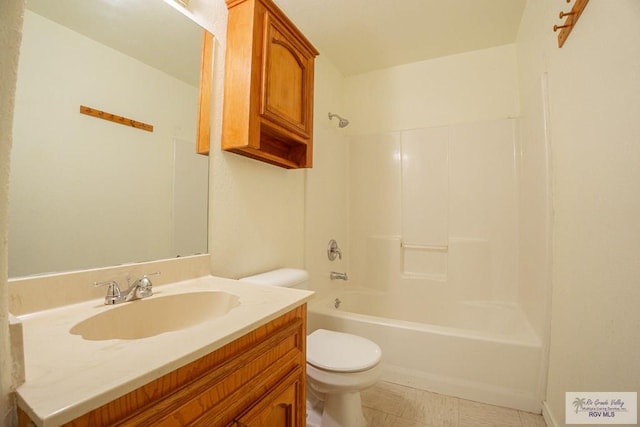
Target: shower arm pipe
[[342, 121]]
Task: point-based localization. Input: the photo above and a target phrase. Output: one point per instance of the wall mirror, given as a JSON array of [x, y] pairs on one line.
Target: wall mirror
[[86, 192]]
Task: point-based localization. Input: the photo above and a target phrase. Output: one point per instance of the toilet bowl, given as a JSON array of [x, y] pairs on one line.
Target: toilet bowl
[[339, 365]]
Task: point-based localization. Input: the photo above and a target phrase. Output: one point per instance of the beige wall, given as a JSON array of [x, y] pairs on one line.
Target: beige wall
[[256, 211], [326, 185], [10, 34], [594, 97]]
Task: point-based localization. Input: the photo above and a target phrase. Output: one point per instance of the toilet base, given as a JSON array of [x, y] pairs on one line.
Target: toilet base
[[314, 414], [338, 410]]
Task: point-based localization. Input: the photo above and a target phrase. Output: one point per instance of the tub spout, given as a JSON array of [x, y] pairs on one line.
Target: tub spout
[[341, 276]]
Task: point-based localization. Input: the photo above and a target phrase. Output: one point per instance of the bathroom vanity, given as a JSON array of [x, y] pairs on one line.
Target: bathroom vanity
[[245, 367]]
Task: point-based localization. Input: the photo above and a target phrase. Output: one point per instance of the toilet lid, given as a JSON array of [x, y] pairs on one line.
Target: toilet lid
[[340, 352]]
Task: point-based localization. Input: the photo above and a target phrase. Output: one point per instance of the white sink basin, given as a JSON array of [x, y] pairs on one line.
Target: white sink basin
[[155, 315]]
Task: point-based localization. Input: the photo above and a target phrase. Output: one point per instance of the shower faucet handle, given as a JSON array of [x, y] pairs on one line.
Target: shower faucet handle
[[333, 250]]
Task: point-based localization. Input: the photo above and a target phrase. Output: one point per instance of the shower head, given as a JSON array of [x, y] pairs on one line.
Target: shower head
[[342, 123]]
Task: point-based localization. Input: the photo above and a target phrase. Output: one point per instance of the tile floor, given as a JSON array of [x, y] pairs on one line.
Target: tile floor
[[391, 405]]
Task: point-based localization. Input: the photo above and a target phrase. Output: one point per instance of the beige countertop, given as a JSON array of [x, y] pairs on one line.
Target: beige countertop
[[67, 376]]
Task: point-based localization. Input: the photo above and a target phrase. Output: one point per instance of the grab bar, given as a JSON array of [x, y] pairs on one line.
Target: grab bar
[[440, 248]]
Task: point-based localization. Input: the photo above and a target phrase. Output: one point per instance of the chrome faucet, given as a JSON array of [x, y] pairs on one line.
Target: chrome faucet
[[334, 275], [141, 288]]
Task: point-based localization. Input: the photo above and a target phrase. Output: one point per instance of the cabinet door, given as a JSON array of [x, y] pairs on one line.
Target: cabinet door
[[283, 406], [287, 79]]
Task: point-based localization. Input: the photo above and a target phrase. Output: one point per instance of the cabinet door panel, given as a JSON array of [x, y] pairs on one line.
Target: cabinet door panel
[[280, 407], [286, 80]]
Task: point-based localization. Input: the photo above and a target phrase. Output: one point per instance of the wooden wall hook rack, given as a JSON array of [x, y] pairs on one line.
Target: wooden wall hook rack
[[116, 119], [570, 22], [563, 14]]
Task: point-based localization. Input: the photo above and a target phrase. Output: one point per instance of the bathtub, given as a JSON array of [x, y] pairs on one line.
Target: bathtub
[[478, 350]]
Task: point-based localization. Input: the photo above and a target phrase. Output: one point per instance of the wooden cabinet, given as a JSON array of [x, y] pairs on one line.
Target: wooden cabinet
[[268, 90], [256, 380]]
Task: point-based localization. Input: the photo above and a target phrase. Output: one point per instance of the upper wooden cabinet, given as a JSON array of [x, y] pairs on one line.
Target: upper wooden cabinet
[[268, 90]]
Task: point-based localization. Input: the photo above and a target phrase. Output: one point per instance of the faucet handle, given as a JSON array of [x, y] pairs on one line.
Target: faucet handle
[[113, 293], [144, 285], [333, 250]]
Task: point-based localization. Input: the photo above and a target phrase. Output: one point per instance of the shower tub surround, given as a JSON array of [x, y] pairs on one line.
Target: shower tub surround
[[435, 259]]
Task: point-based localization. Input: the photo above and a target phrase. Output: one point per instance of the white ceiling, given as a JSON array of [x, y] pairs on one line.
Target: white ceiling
[[356, 35], [365, 35]]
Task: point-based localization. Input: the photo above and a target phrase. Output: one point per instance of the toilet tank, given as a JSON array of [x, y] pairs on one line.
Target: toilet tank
[[286, 277]]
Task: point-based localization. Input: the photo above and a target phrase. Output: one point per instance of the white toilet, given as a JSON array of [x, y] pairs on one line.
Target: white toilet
[[339, 365]]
